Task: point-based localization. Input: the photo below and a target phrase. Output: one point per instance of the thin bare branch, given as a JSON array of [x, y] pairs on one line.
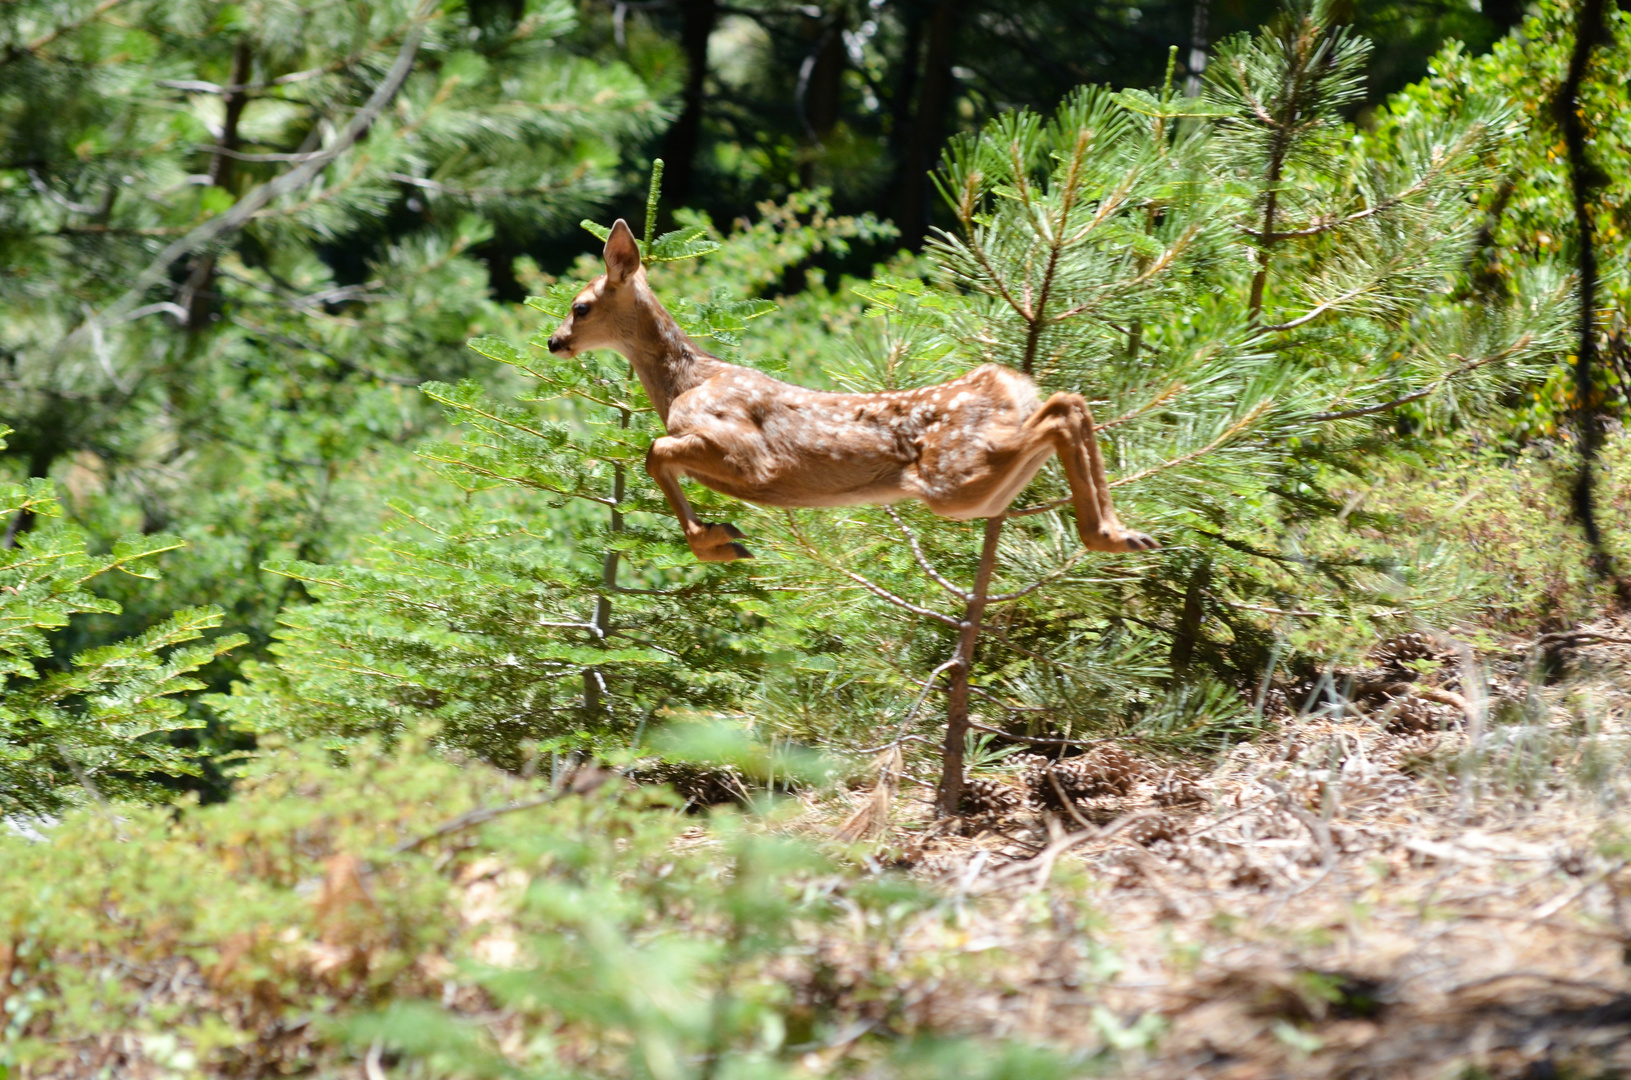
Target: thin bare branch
[[866, 583], [922, 560], [1055, 575], [239, 155], [1417, 395]]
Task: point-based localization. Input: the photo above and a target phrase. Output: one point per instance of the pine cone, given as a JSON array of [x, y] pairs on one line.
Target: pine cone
[[1149, 830], [1178, 788], [1399, 651], [1276, 705], [985, 796], [1411, 713], [1105, 770], [704, 785]]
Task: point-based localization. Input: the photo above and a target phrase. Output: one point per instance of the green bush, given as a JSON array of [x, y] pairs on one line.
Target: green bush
[[335, 909], [94, 723]]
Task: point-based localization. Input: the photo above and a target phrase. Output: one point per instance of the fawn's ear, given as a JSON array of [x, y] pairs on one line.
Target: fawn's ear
[[622, 254]]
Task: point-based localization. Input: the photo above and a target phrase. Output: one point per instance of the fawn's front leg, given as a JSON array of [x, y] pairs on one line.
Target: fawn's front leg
[[666, 461]]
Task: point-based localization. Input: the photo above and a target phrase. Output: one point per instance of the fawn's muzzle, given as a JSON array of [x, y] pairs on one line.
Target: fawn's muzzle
[[556, 343]]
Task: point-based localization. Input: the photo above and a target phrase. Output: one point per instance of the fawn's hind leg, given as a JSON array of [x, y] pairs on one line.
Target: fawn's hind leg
[[1063, 426], [1067, 422], [666, 461]]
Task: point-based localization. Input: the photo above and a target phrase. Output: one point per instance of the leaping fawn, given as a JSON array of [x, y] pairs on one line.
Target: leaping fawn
[[965, 447]]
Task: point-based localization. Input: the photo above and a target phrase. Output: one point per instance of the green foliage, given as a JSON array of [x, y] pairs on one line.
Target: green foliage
[[563, 935], [98, 718], [256, 396], [1524, 566], [1529, 216], [1249, 289]]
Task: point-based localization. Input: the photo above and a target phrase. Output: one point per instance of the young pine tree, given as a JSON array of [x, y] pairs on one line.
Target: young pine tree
[[1248, 290]]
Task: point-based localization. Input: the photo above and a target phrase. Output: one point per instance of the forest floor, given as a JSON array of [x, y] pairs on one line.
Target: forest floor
[[1426, 877]]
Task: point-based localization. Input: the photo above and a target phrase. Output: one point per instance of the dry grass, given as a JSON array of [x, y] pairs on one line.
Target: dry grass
[[1427, 877]]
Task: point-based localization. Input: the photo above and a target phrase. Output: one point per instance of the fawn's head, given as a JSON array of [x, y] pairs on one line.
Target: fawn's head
[[605, 315]]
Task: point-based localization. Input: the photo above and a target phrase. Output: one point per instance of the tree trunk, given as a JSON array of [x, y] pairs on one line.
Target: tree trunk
[[820, 89], [196, 296], [900, 102], [1590, 31], [594, 683], [951, 756], [1507, 14], [928, 126], [1265, 244], [680, 144], [1197, 49], [1187, 638]]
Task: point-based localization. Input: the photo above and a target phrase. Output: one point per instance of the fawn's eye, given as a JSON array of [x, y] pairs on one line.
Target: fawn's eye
[[580, 310]]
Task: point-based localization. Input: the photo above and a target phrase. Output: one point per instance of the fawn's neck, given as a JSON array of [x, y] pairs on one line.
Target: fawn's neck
[[667, 362]]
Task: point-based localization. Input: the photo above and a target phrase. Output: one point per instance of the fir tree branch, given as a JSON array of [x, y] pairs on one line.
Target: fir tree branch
[[494, 474], [252, 202], [91, 789], [120, 563]]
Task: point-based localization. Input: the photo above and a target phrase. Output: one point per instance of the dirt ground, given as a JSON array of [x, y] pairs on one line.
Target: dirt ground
[[1425, 876]]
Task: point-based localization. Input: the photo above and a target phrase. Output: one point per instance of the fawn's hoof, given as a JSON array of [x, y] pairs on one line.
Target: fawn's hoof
[[723, 553], [1121, 540], [1137, 541], [718, 543]]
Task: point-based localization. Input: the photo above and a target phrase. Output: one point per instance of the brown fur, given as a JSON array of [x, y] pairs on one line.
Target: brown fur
[[966, 447]]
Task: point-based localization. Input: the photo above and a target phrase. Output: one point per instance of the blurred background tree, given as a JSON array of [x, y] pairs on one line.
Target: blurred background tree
[[862, 94], [238, 236]]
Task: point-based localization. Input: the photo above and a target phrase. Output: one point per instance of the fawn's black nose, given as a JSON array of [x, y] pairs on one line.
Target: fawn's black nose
[[555, 344]]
